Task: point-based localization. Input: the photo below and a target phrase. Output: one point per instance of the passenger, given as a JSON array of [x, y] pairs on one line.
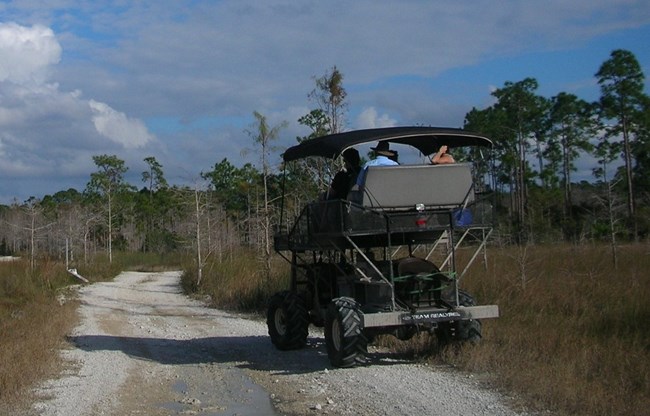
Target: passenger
[[346, 178], [383, 157], [326, 216], [441, 157]]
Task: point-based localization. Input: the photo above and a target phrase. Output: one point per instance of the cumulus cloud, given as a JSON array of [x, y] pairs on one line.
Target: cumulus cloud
[[369, 118], [129, 132], [26, 53], [48, 134], [205, 67]]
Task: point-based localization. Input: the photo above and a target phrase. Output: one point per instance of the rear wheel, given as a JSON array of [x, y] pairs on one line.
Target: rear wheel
[[463, 331], [346, 343], [288, 321]]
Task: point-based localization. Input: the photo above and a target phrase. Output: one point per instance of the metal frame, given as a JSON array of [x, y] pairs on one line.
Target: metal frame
[[331, 241]]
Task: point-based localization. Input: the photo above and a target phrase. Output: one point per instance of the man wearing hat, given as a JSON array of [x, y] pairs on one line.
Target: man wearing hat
[[383, 157]]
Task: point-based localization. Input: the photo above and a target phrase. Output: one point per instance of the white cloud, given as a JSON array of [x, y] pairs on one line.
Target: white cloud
[[130, 133], [48, 135], [26, 53], [204, 68], [370, 119]]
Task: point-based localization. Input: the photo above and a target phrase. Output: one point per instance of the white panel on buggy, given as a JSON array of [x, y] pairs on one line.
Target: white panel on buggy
[[404, 186]]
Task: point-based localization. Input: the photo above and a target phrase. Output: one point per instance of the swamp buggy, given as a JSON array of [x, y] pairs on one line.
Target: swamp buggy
[[385, 260]]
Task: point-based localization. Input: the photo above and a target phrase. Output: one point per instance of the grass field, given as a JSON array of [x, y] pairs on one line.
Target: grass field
[[574, 333], [33, 317], [573, 336]]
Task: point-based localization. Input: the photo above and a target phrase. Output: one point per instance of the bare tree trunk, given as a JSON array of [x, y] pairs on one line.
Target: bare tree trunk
[[631, 212], [199, 260], [566, 173], [32, 248], [110, 229], [266, 222], [521, 200], [612, 223], [86, 248]]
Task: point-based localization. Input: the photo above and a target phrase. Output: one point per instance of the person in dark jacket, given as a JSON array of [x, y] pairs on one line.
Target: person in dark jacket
[[346, 178]]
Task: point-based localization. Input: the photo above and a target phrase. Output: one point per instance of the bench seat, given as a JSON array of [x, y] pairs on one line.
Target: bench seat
[[405, 186]]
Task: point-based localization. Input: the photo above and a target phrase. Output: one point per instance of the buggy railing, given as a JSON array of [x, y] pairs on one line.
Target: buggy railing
[[439, 188], [390, 202], [486, 231]]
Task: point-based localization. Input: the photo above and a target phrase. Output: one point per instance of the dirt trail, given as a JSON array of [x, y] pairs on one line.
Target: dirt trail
[[143, 348]]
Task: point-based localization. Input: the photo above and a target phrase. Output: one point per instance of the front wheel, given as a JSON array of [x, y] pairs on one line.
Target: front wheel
[[346, 343], [288, 321]]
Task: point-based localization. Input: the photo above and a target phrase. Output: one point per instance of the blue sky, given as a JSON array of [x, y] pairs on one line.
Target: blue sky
[[179, 80]]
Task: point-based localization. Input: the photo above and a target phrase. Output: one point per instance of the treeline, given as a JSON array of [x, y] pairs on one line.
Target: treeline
[[226, 208], [223, 210], [538, 142]]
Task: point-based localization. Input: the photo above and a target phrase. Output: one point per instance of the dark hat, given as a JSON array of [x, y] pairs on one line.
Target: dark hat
[[382, 149]]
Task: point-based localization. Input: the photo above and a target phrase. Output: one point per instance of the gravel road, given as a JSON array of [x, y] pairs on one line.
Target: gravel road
[[144, 348]]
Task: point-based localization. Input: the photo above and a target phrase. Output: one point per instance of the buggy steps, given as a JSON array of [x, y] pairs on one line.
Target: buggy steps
[[461, 313]]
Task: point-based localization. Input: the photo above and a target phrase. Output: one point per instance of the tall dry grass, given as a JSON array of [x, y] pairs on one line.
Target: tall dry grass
[[29, 343], [574, 333], [34, 315], [237, 282], [37, 311], [573, 336]]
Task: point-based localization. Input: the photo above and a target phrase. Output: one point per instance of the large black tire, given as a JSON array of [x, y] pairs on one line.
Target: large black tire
[[288, 321], [346, 343], [460, 331]]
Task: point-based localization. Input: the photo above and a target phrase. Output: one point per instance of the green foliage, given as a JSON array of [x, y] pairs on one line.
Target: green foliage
[[154, 176], [109, 178], [234, 187], [319, 123], [538, 140], [622, 82], [623, 108], [4, 248], [537, 143], [572, 126]]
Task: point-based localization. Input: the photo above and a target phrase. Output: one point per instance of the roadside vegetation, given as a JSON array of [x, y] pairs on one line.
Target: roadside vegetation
[[237, 283], [38, 309], [573, 336], [32, 322], [574, 331]]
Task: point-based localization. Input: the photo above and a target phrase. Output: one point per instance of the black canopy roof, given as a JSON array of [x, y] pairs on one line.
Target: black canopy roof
[[426, 139]]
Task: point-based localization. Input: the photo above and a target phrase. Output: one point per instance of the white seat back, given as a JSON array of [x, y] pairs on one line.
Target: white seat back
[[405, 186]]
